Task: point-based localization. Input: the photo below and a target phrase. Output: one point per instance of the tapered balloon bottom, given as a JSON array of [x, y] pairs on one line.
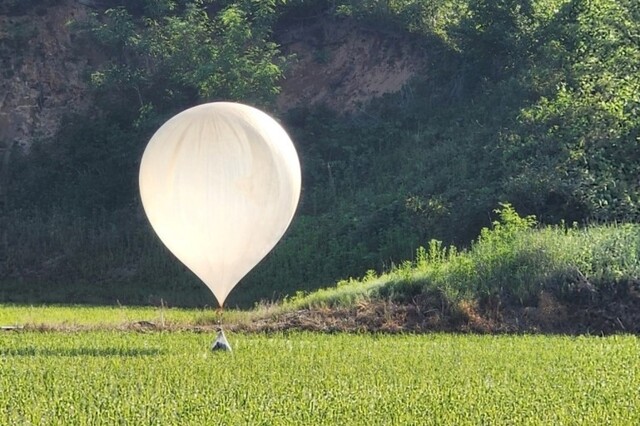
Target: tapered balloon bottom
[[220, 183], [221, 343]]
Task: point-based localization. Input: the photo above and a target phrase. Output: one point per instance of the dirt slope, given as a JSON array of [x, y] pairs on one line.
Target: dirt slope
[[43, 68], [41, 71], [343, 65]]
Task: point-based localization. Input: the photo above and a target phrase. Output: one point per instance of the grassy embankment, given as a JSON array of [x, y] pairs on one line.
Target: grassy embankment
[[514, 277]]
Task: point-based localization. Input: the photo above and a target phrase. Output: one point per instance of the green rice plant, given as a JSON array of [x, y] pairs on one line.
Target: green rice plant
[[106, 377]]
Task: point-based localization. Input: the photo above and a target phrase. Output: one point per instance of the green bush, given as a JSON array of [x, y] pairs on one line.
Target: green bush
[[513, 261]]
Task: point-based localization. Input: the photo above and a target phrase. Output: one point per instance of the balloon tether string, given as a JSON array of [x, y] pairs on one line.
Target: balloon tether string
[[220, 313]]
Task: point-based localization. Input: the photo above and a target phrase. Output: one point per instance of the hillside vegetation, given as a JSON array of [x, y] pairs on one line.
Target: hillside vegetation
[[514, 277], [530, 102]]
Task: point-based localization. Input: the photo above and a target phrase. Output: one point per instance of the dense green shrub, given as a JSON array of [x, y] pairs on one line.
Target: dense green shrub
[[512, 262]]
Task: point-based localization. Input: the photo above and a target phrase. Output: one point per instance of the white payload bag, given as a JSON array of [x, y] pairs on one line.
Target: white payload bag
[[221, 344]]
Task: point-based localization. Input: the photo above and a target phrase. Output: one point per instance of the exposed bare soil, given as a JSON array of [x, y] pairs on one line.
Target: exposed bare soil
[[618, 314], [42, 72], [334, 62], [616, 310], [342, 66]]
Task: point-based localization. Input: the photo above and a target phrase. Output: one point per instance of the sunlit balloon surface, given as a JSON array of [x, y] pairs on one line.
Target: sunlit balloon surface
[[220, 184]]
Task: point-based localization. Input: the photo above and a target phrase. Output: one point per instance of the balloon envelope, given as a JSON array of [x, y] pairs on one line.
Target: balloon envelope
[[220, 183]]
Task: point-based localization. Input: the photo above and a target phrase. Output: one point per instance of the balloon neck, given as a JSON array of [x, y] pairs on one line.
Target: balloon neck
[[219, 314]]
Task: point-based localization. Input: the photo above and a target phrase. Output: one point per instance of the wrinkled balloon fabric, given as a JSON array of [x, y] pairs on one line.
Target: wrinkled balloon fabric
[[220, 184]]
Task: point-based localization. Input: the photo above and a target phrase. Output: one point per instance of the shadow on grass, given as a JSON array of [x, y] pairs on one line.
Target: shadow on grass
[[31, 351]]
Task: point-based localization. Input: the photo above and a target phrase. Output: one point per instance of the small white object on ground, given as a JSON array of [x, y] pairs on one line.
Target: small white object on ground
[[221, 342]]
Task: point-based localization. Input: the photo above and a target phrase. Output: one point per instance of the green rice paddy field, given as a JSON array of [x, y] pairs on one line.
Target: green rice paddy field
[[171, 378]]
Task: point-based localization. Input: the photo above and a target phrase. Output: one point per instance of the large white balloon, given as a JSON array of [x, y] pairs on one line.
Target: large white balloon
[[220, 183]]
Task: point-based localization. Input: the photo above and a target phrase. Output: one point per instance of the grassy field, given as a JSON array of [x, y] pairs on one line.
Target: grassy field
[[91, 317], [118, 377]]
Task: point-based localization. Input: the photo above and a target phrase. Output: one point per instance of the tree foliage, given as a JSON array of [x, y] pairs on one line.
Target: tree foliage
[[178, 54], [580, 136]]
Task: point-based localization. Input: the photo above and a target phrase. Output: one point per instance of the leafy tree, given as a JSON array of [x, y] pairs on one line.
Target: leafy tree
[[176, 55], [580, 140]]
